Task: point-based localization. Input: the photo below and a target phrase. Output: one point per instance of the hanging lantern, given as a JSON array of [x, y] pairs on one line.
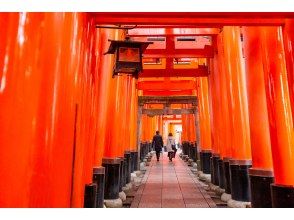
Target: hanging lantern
[[128, 56]]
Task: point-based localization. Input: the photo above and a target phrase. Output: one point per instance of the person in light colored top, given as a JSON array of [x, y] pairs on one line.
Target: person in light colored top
[[170, 146]]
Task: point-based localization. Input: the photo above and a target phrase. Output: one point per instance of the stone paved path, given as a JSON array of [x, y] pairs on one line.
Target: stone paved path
[[171, 185]]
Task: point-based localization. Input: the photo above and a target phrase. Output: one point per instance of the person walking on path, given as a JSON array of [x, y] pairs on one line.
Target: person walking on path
[[170, 146], [157, 144]]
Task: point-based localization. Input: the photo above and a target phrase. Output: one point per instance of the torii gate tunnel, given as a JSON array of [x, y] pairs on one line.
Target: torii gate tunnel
[[71, 135]]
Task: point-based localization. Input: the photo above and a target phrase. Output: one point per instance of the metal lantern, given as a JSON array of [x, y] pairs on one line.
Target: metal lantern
[[128, 56]]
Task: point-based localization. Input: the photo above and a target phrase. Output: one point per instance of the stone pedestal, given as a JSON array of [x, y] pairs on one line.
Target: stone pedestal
[[112, 177], [226, 197], [260, 185], [238, 204], [90, 195], [227, 175], [134, 161], [127, 157], [214, 167], [221, 173], [113, 203], [205, 156], [122, 173], [239, 171], [99, 179], [282, 196], [122, 196]]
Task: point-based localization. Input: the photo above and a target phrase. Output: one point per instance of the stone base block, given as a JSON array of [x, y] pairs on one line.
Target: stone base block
[[205, 177], [189, 162], [113, 203], [194, 165], [212, 187], [199, 172], [133, 175], [137, 181], [142, 166], [226, 197], [194, 171], [238, 204], [219, 191], [122, 196], [138, 173], [128, 187]]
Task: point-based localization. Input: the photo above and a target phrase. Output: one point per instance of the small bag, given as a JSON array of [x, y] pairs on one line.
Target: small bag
[[171, 154], [174, 147]]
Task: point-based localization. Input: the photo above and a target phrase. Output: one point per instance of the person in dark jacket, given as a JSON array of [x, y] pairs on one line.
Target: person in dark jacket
[[157, 144]]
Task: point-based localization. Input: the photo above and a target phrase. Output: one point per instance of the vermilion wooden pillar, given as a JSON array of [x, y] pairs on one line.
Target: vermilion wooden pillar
[[205, 132], [124, 99], [261, 173], [185, 130], [148, 128], [192, 130], [184, 127], [125, 154], [226, 120], [104, 77], [42, 114], [241, 151], [133, 115], [144, 126], [204, 120], [113, 148], [18, 133], [103, 74], [160, 124], [192, 148], [288, 33], [280, 116], [133, 125], [128, 113], [113, 144], [215, 117]]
